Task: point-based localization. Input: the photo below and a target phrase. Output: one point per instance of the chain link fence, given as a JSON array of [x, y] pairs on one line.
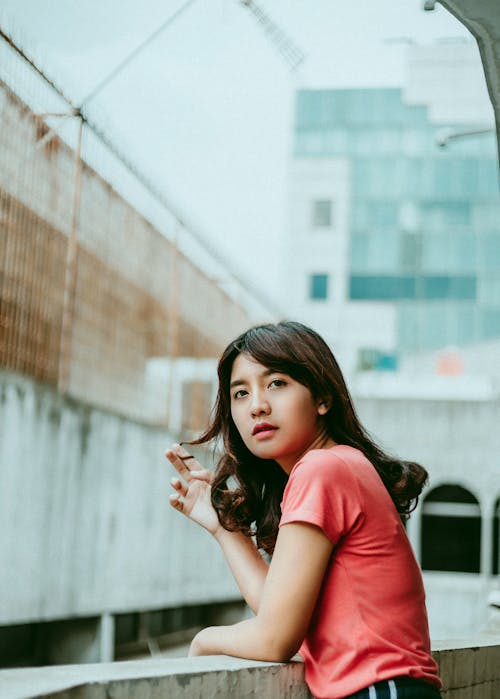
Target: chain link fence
[[96, 298]]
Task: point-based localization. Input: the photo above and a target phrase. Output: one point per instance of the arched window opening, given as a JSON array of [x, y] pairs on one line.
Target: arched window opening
[[451, 530], [495, 540]]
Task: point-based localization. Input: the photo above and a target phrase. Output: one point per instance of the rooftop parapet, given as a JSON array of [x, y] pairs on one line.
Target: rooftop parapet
[[469, 669]]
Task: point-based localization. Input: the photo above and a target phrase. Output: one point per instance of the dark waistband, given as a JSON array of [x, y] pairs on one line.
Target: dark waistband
[[398, 688]]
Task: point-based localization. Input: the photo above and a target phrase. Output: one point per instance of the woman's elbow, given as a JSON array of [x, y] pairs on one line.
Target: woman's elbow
[[279, 649]]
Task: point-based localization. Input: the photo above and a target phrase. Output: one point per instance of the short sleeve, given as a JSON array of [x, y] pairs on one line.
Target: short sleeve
[[322, 490]]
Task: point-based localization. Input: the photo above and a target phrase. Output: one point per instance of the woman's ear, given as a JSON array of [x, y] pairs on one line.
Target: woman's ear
[[323, 406]]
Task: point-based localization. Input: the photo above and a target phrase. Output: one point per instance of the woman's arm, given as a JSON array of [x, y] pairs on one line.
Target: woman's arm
[[192, 498], [247, 565], [290, 592]]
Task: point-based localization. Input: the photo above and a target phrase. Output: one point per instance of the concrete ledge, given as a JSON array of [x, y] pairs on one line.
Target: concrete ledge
[[207, 677], [470, 669]]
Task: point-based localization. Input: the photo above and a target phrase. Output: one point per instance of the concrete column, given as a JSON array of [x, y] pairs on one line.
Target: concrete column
[[486, 538], [107, 638]]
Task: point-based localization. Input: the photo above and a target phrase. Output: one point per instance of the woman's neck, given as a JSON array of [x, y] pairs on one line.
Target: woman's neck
[[321, 441]]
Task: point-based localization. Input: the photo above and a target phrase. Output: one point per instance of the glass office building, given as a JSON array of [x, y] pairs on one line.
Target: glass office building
[[424, 222]]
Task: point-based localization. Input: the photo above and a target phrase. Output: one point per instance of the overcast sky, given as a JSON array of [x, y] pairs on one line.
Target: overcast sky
[[207, 109]]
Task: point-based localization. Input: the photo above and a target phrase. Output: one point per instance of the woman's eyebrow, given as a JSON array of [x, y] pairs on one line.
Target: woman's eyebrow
[[266, 372], [236, 382]]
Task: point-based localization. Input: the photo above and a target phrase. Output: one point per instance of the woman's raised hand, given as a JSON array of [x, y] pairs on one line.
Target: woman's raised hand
[[192, 496]]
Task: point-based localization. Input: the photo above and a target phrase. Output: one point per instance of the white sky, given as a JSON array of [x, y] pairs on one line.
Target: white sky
[[207, 109]]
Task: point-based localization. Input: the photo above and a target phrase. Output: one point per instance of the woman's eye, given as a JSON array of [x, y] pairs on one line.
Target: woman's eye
[[240, 393], [277, 383]]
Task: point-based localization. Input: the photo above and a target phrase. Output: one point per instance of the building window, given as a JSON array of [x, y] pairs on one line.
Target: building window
[[451, 530], [392, 287], [410, 251], [382, 213], [489, 322], [440, 214], [318, 287], [322, 213], [449, 287], [382, 287]]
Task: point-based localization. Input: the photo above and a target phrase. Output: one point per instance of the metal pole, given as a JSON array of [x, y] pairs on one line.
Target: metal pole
[[70, 274], [173, 320]]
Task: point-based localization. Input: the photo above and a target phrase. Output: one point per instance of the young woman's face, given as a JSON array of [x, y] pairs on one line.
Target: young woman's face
[[276, 416]]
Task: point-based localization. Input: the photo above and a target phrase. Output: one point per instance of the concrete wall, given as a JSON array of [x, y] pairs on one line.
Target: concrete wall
[[468, 672], [86, 529], [85, 526]]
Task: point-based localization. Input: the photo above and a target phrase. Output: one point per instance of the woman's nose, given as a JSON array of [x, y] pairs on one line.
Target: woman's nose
[[259, 405]]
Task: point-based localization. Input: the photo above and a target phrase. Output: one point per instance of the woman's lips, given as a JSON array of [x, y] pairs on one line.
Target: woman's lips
[[263, 430]]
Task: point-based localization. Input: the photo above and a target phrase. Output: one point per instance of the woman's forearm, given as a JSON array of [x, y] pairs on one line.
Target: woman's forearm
[[247, 565], [249, 639], [285, 602]]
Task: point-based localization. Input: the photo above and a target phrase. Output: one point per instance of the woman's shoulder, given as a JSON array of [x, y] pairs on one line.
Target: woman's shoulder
[[341, 459], [328, 479]]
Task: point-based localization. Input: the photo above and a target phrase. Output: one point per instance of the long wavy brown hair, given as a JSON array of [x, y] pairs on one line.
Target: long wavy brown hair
[[247, 491]]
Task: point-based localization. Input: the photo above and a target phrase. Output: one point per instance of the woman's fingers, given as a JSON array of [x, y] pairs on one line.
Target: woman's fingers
[[176, 502], [179, 486], [178, 458], [183, 462]]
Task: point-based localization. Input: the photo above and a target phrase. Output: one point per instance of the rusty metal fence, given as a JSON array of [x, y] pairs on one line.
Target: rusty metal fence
[[95, 299]]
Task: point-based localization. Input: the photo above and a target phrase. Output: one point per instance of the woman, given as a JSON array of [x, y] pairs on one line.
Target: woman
[[301, 474]]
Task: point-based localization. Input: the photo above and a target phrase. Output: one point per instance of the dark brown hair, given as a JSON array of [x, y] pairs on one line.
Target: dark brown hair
[[247, 490]]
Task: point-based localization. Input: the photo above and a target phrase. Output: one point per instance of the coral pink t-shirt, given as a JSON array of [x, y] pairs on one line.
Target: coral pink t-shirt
[[370, 621]]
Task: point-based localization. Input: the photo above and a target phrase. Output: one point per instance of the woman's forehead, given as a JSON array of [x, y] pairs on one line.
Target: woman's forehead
[[245, 366], [245, 363]]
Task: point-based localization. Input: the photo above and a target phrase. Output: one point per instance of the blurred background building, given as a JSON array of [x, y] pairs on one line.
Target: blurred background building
[[394, 236]]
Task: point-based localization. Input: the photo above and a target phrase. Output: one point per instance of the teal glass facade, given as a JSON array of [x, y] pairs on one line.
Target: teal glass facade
[[425, 220]]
